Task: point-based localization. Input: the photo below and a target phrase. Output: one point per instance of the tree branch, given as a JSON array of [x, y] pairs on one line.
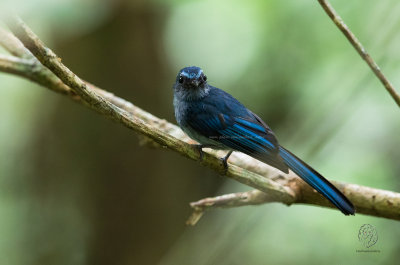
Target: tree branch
[[384, 202], [360, 49], [13, 45], [13, 65], [105, 107], [272, 185], [253, 197]]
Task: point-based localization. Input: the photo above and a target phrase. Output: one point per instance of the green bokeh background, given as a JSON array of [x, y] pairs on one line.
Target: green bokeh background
[[76, 188]]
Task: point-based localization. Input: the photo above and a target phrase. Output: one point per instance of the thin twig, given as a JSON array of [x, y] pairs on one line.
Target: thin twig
[[13, 65], [253, 197], [278, 187], [9, 42], [383, 201], [360, 49]]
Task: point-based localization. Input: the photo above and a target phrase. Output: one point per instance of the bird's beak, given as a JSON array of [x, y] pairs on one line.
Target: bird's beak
[[195, 83]]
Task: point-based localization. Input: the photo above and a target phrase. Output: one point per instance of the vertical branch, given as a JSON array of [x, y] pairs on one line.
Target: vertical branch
[[360, 49]]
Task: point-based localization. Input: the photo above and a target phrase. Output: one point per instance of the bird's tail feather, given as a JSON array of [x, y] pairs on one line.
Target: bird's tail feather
[[318, 182]]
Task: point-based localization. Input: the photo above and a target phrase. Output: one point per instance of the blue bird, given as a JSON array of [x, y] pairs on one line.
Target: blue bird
[[217, 120]]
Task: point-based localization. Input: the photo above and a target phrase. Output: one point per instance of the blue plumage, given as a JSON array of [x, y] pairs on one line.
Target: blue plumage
[[214, 118], [318, 182]]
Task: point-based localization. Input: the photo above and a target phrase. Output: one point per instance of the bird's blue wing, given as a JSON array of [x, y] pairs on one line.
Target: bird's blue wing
[[222, 118], [245, 134]]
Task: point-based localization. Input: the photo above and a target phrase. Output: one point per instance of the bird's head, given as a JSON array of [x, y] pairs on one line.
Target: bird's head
[[191, 83], [191, 77]]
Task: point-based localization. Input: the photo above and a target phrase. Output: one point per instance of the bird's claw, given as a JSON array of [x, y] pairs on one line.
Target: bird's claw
[[199, 148], [224, 164], [224, 161]]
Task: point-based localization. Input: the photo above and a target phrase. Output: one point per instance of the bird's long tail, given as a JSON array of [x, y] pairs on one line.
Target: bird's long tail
[[318, 182]]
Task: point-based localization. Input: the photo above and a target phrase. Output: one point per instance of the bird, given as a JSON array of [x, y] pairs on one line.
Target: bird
[[215, 119]]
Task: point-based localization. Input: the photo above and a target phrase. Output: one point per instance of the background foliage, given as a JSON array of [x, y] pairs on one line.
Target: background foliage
[[77, 189]]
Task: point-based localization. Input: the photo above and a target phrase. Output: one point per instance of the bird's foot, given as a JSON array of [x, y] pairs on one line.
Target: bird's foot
[[224, 161], [200, 147]]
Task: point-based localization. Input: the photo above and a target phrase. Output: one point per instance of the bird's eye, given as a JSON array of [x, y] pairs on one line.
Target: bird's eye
[[180, 79], [205, 78]]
